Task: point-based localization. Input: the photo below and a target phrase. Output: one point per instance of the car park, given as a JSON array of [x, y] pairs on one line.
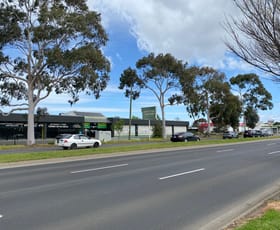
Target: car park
[[230, 135], [74, 141], [184, 136]]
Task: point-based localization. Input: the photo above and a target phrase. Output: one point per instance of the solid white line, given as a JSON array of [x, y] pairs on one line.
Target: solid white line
[[180, 174], [225, 150], [273, 152], [95, 169]]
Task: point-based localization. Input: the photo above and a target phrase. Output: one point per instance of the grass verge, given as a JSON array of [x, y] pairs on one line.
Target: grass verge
[[132, 146], [269, 221]]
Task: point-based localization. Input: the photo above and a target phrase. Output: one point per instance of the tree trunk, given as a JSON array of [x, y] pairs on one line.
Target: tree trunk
[[163, 122], [30, 121]]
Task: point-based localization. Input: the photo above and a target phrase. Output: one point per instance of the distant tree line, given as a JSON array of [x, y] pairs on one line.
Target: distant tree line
[[203, 90]]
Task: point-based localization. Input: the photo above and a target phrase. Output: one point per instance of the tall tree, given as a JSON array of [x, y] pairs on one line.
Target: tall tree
[[256, 35], [226, 112], [203, 87], [252, 93], [251, 116], [49, 46], [160, 74], [132, 85]]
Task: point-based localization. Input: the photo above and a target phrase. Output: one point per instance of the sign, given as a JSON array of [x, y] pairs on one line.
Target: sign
[[101, 125], [149, 113], [87, 125]]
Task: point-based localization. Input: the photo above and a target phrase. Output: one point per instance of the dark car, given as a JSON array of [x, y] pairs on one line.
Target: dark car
[[184, 136], [258, 133], [230, 135], [253, 133], [248, 133]]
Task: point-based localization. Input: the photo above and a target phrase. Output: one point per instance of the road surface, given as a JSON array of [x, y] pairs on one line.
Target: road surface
[[192, 189]]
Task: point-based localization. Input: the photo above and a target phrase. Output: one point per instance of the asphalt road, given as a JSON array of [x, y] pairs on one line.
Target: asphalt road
[[190, 189]]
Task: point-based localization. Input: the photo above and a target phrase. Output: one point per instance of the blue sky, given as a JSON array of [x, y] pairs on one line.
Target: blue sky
[[136, 28]]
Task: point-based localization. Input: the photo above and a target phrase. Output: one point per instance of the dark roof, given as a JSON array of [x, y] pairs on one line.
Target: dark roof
[[22, 118], [88, 116]]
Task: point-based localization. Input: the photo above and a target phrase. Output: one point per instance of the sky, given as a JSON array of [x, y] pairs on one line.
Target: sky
[[190, 30]]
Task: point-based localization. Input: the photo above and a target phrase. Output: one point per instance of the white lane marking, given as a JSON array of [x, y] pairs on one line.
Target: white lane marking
[[271, 144], [95, 169], [273, 152], [1, 216], [180, 174], [224, 150]]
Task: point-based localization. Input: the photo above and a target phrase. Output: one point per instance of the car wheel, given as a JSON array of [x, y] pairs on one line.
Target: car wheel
[[96, 145], [65, 148], [197, 139], [73, 146]]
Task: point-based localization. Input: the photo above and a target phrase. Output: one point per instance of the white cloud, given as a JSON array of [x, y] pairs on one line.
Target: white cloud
[[190, 30]]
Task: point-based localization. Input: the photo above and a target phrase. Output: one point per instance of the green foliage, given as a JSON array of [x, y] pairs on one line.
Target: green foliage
[[253, 96], [157, 130], [252, 91], [202, 87], [118, 126], [131, 83], [227, 112], [160, 74], [49, 47], [251, 117], [206, 93], [56, 48]]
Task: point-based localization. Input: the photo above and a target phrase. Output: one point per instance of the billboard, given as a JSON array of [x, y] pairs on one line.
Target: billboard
[[149, 113]]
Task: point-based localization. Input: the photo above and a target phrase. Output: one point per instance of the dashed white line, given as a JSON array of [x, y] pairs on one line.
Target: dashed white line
[[181, 174], [101, 168], [224, 150], [271, 144], [1, 216], [273, 152]]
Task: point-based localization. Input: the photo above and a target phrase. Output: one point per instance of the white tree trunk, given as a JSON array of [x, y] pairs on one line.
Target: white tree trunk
[[30, 121], [163, 122]]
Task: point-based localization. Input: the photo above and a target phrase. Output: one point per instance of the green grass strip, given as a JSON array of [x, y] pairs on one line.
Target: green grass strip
[[269, 221], [132, 146]]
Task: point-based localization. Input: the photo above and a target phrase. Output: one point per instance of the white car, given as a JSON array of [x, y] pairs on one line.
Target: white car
[[74, 141]]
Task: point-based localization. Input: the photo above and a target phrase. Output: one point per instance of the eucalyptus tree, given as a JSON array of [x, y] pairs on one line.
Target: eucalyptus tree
[[160, 74], [202, 88], [49, 47], [130, 81], [255, 35], [251, 116], [227, 112], [252, 93]]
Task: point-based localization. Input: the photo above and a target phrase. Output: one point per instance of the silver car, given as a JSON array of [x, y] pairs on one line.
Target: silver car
[[230, 135]]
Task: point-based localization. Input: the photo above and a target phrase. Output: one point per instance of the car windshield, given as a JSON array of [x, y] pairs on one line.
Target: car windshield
[[189, 134], [66, 136]]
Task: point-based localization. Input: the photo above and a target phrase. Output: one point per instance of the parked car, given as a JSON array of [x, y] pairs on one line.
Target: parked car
[[253, 133], [60, 136], [258, 133], [230, 135], [74, 141], [184, 136], [248, 133]]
